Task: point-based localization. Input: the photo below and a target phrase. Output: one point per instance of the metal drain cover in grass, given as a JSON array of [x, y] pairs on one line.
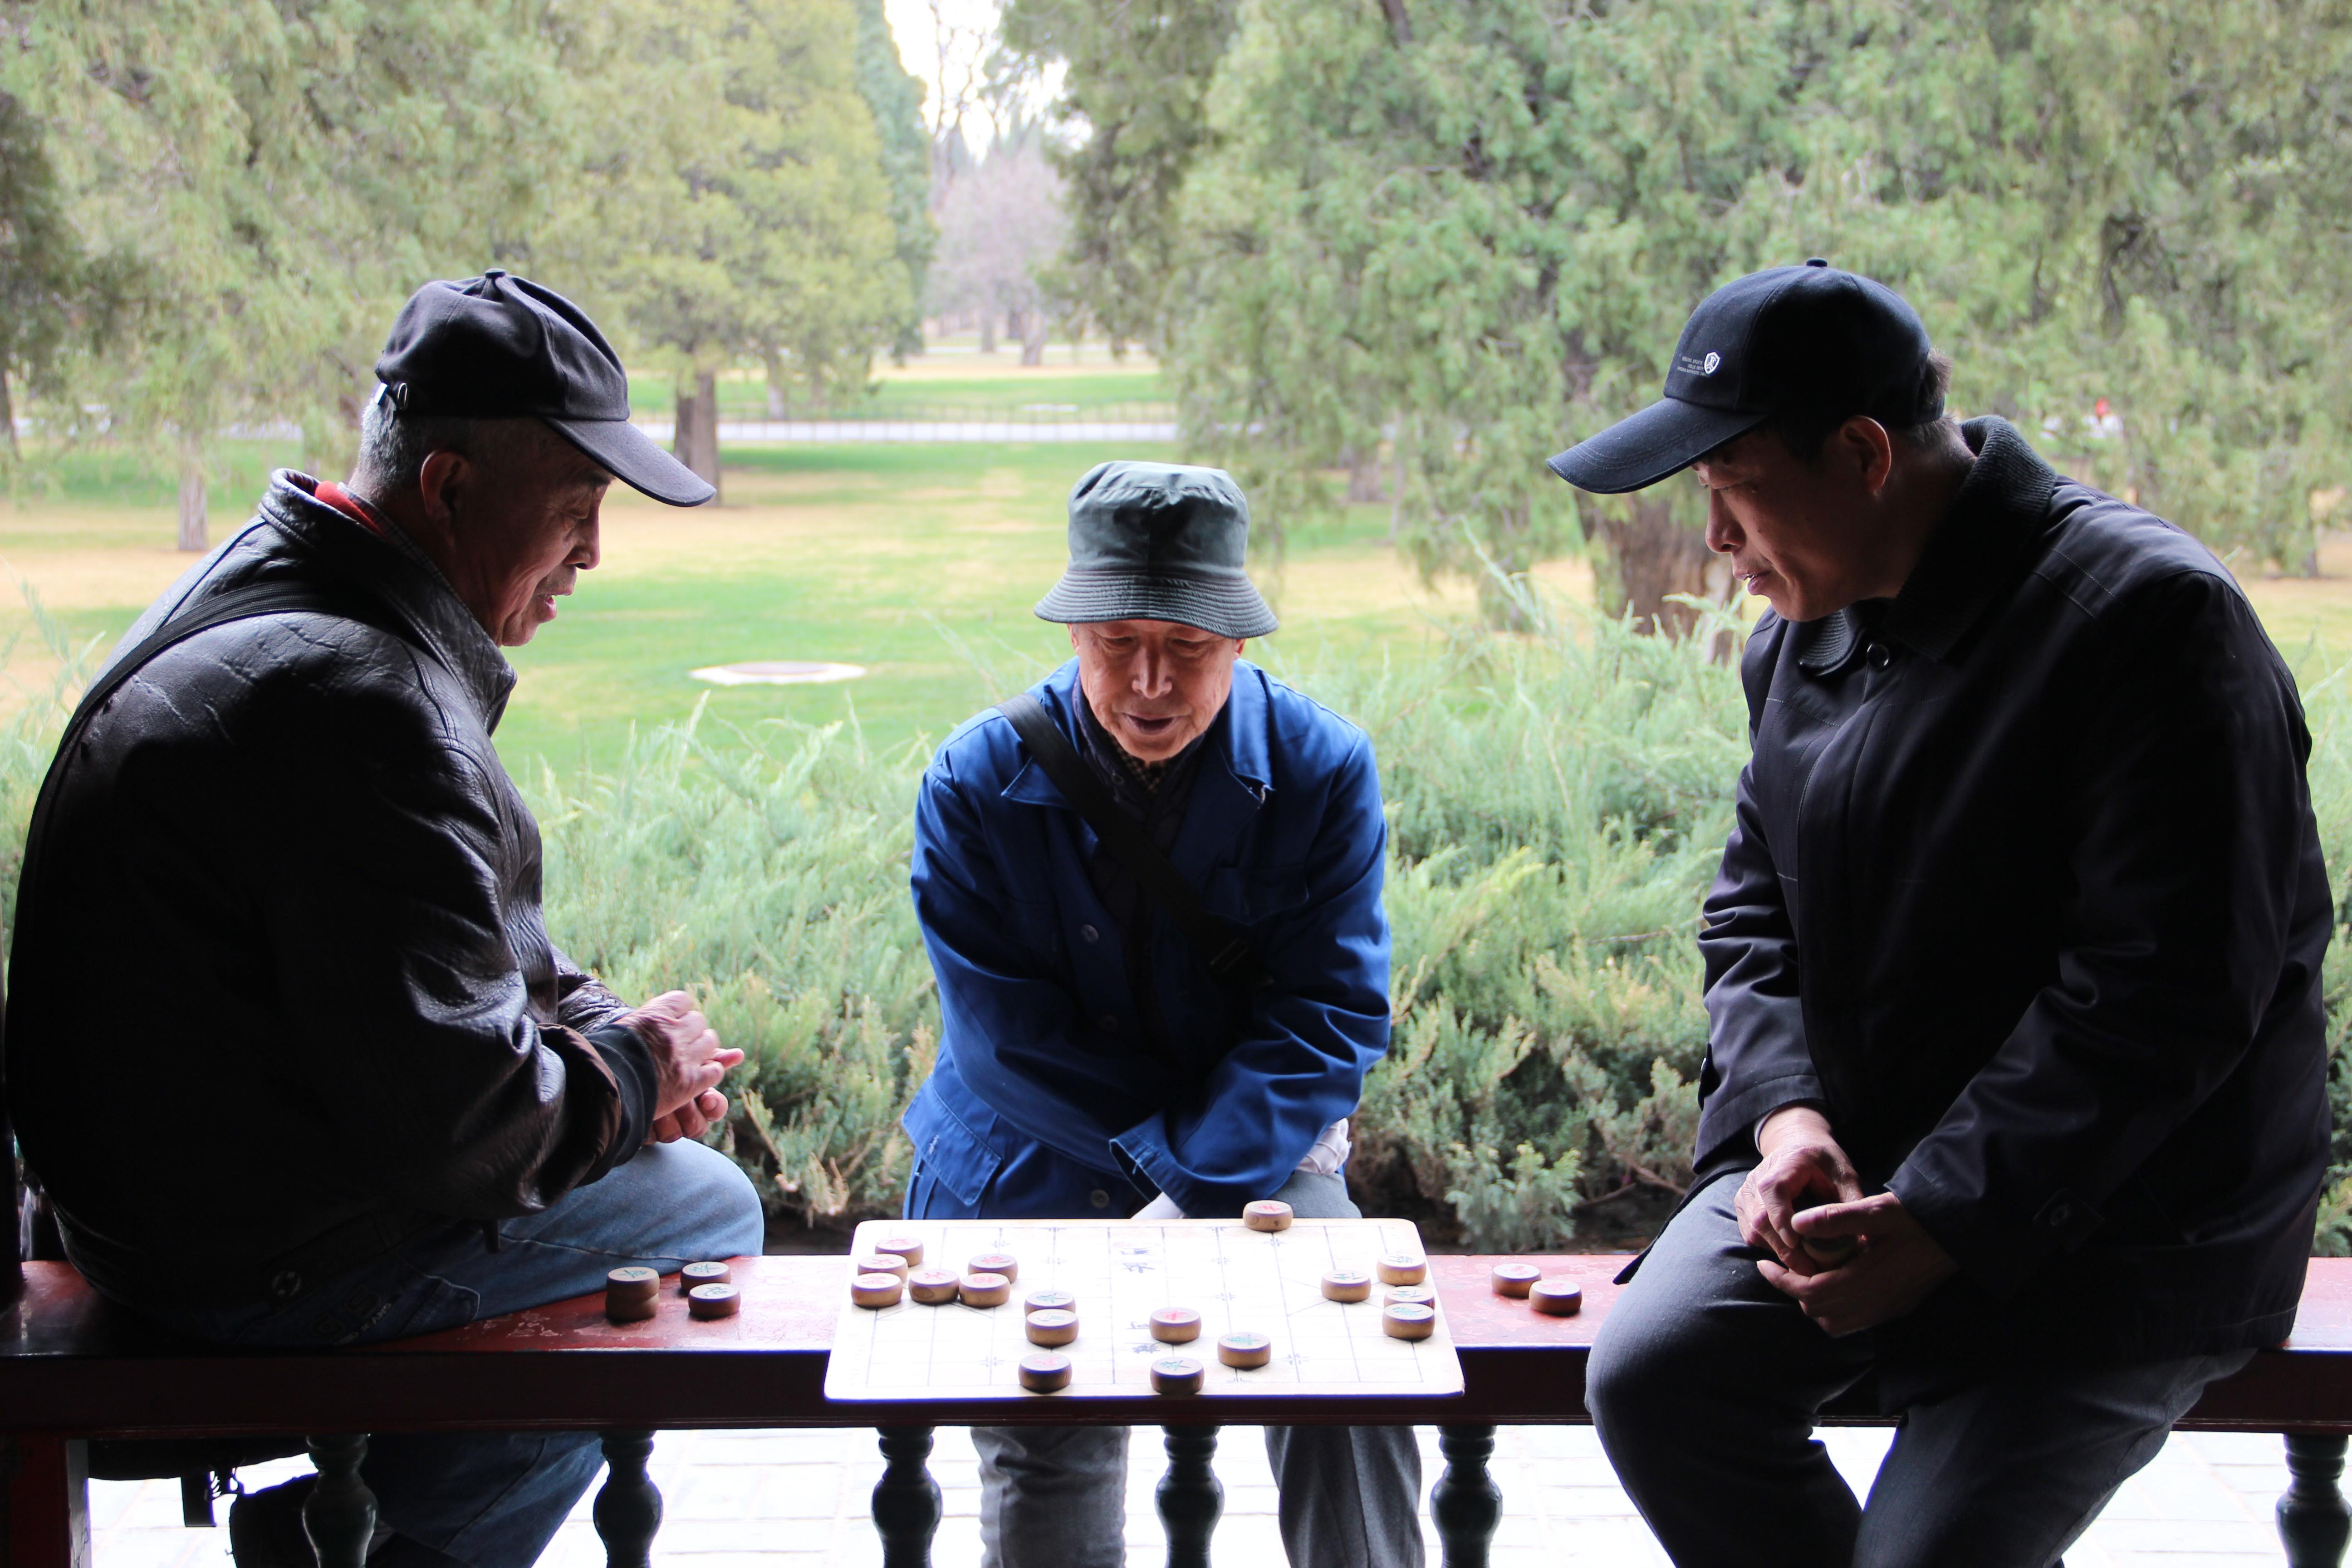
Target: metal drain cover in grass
[[778, 672]]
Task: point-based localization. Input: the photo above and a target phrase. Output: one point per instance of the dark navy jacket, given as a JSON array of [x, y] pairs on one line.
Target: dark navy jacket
[[2026, 889], [1044, 1101]]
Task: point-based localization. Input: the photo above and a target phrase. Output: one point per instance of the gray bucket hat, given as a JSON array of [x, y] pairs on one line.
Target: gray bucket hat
[[1158, 542]]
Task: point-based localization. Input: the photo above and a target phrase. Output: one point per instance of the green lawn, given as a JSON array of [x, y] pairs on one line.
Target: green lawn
[[990, 390], [919, 562]]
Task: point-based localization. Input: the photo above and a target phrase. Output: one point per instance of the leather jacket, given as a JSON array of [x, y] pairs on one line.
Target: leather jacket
[[2025, 890], [282, 997]]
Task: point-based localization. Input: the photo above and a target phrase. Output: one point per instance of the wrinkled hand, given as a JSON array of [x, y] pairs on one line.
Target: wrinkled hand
[[1802, 1165], [709, 1110], [1898, 1265], [689, 1063]]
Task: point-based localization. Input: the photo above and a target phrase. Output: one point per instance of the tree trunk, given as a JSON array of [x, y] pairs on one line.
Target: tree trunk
[[988, 332], [776, 404], [1396, 485], [1036, 331], [1365, 486], [696, 443], [8, 415], [1655, 555], [192, 504]]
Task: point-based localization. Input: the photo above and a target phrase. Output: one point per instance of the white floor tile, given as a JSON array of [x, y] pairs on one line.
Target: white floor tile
[[800, 1499]]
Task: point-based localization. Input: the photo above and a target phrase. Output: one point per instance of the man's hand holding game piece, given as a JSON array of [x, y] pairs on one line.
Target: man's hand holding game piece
[[689, 1061], [1802, 1165], [1897, 1264]]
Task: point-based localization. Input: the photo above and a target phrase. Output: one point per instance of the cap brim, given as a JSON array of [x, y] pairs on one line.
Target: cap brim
[[1638, 451], [636, 459], [1228, 606]]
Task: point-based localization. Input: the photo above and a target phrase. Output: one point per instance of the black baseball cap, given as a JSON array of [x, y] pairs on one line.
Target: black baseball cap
[[502, 347], [1808, 338]]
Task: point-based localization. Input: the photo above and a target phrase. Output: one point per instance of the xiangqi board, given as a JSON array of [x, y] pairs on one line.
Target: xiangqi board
[[1118, 1274]]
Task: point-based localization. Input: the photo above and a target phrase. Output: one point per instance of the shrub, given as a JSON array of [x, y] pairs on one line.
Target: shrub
[[1557, 803]]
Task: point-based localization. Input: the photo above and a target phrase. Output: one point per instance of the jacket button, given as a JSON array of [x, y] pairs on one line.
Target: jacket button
[[1090, 933], [1880, 655], [1099, 1199], [1109, 1023]]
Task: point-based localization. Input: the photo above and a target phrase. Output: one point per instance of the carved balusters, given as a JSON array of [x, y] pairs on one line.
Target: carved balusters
[[339, 1516], [629, 1509], [907, 1506]]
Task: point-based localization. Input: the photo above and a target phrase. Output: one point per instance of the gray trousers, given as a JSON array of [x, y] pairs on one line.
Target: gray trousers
[[1055, 1497], [1705, 1380]]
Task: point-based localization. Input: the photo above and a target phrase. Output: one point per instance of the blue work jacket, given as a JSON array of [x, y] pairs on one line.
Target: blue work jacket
[[1044, 1102]]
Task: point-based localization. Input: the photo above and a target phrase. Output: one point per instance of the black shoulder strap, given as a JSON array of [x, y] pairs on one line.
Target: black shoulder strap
[[237, 604], [1225, 947]]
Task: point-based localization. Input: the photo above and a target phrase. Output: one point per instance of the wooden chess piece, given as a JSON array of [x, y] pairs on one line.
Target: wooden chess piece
[[1047, 1371], [932, 1287], [1408, 1321], [1515, 1279], [1557, 1297], [714, 1302], [876, 1290], [1177, 1374], [1175, 1325], [984, 1290], [1347, 1285], [1052, 1327], [629, 1294]]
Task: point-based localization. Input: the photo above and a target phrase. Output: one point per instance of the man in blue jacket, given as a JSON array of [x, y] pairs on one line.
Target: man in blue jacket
[[1092, 1062]]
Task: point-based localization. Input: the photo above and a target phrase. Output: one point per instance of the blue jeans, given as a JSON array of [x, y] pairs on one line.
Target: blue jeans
[[494, 1500], [1055, 1497]]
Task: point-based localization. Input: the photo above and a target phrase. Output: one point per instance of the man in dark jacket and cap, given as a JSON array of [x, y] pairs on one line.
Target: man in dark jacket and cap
[[2015, 1089], [1097, 1059], [372, 1097]]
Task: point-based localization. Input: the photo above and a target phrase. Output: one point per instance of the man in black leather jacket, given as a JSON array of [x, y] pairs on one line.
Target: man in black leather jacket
[[2013, 971], [353, 1091]]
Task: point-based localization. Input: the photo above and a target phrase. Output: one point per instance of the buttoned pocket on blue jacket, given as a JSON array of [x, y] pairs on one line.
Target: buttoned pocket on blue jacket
[[948, 1157]]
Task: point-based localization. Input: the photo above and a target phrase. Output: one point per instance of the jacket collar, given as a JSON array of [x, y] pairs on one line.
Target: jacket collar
[[1970, 562], [398, 572], [1233, 777]]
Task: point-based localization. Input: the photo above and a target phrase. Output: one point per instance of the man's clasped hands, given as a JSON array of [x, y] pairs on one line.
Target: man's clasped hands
[[689, 1062], [1805, 1186]]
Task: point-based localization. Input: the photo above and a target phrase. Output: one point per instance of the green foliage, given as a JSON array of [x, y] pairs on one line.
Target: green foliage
[[280, 176], [1479, 225], [262, 182], [1137, 82], [1558, 802], [740, 208], [895, 98], [768, 872], [58, 305]]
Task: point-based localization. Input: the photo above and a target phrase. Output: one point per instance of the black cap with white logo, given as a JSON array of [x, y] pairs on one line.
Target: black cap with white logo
[[500, 347], [1806, 339]]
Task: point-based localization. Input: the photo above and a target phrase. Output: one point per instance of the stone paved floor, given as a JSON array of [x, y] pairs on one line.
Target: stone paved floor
[[798, 1499]]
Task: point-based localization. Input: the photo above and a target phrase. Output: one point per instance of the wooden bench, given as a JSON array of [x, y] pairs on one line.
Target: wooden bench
[[72, 1369]]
